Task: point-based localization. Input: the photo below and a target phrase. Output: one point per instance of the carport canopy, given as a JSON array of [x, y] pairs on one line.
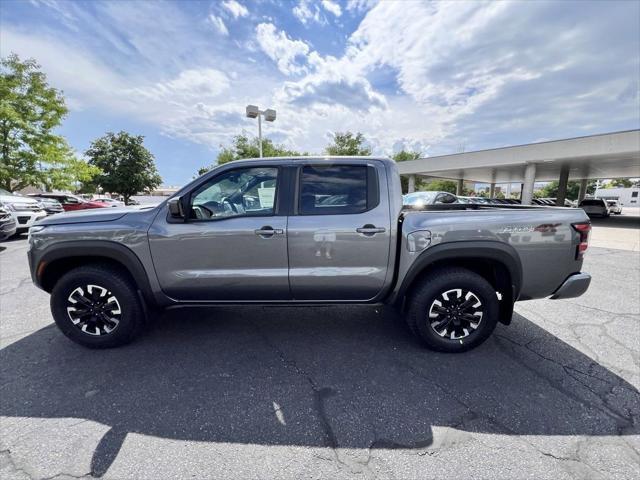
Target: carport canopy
[[609, 155]]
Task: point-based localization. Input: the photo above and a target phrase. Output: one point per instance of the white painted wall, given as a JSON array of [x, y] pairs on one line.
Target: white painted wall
[[624, 195]]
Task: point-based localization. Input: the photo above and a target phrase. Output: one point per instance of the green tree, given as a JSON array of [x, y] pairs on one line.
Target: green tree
[[550, 190], [619, 182], [29, 112], [66, 171], [346, 143], [403, 156], [243, 146], [442, 186], [127, 166]]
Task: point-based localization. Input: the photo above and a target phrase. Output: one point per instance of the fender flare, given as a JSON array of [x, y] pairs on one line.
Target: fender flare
[[470, 250], [96, 249]]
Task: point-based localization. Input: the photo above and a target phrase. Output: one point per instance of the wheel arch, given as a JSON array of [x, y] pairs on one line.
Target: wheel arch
[[497, 262], [62, 257]]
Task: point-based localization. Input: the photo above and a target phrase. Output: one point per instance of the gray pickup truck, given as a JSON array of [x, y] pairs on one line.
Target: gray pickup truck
[[311, 230]]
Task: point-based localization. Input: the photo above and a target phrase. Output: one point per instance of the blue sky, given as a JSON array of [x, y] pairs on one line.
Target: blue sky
[[437, 77]]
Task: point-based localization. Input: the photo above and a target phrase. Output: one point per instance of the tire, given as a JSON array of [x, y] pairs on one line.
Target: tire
[[110, 323], [428, 321]]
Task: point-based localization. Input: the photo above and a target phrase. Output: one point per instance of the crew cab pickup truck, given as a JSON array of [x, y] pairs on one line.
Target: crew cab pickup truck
[[311, 230]]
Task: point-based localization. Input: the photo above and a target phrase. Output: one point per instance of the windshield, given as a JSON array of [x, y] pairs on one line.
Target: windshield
[[4, 192], [420, 198]]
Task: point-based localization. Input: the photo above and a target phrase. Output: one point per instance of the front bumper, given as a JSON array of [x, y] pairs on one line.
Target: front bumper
[[574, 286], [26, 219]]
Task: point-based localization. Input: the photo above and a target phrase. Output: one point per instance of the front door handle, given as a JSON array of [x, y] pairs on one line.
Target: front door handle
[[267, 231], [370, 230]]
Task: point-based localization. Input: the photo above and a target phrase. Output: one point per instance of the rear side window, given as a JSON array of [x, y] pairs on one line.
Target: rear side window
[[337, 189]]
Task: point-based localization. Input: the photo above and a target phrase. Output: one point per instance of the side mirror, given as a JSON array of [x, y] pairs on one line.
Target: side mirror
[[176, 209]]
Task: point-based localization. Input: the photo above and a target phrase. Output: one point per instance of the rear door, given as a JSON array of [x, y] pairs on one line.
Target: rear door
[[233, 246], [339, 233]]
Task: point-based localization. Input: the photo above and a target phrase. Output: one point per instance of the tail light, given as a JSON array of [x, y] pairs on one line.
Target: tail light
[[583, 229]]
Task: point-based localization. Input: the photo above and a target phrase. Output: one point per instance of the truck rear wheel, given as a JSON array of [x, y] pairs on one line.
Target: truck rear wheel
[[453, 310], [97, 306]]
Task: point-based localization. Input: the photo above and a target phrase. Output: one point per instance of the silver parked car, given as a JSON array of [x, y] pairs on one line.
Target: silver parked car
[[420, 199]]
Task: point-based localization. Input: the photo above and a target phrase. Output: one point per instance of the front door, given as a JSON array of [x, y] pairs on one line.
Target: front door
[[339, 235], [71, 204], [232, 247]]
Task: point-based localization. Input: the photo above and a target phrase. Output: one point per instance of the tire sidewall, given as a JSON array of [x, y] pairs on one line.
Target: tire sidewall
[[466, 281], [126, 296]]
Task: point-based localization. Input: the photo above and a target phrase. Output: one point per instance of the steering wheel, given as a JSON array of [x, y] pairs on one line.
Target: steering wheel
[[234, 208]]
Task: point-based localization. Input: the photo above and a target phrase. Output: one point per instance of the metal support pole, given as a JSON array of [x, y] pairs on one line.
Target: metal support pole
[[260, 132], [460, 187], [529, 182], [412, 184], [492, 190], [562, 185], [583, 190]]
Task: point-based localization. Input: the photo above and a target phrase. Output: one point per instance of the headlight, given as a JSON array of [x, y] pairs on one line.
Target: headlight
[[418, 241], [36, 229], [9, 206]]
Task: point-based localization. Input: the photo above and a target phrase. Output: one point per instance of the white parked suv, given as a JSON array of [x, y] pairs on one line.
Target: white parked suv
[[614, 207], [595, 206], [25, 210]]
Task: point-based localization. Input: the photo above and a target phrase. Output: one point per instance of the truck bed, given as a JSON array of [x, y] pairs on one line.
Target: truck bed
[[542, 238]]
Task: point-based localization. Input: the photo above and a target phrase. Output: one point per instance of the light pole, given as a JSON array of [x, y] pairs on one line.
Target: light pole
[[269, 114]]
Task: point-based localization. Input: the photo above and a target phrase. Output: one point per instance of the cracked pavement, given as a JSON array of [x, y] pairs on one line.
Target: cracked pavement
[[325, 392]]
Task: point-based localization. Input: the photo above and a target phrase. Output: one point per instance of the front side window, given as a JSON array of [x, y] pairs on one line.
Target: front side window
[[240, 192], [333, 189]]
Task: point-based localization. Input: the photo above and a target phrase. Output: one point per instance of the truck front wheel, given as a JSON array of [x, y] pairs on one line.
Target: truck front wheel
[[453, 310], [97, 306]]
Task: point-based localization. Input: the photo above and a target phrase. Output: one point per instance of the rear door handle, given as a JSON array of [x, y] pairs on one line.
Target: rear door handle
[[370, 230]]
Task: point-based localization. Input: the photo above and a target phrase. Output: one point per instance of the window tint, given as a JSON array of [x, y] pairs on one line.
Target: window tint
[[592, 202], [634, 194], [331, 190], [240, 192]]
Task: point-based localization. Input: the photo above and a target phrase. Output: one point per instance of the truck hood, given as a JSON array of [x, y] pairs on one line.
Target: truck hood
[[86, 216]]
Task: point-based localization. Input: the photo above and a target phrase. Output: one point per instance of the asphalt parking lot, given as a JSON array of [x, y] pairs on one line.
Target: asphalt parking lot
[[340, 392]]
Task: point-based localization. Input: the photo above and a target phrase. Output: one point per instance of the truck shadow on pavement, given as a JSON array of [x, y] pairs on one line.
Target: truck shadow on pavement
[[341, 377]]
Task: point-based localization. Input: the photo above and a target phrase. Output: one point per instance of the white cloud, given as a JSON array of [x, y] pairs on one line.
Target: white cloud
[[360, 5], [332, 7], [420, 75], [218, 24], [308, 12], [202, 84], [355, 94], [235, 8], [282, 49]]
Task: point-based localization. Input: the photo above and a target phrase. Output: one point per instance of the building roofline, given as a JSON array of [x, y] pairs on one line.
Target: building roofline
[[531, 144]]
